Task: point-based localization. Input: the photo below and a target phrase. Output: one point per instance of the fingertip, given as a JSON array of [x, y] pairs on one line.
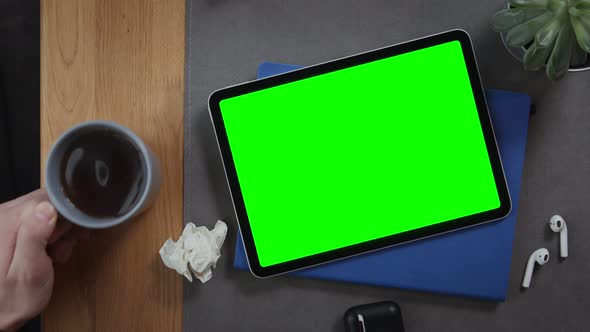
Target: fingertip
[[45, 212], [37, 222]]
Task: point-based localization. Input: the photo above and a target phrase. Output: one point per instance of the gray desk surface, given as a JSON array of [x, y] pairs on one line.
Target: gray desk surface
[[229, 38]]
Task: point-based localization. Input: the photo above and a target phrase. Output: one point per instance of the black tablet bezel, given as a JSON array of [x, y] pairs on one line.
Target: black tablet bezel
[[487, 129]]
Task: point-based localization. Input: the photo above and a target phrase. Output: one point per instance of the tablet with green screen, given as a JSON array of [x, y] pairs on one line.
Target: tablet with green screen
[[360, 153]]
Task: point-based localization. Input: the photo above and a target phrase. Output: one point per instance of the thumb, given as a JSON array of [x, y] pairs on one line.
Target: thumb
[[37, 225]]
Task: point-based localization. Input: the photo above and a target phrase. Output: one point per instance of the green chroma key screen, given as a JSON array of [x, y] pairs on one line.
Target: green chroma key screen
[[359, 154]]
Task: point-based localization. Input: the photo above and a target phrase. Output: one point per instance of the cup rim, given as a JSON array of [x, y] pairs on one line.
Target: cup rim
[[53, 185]]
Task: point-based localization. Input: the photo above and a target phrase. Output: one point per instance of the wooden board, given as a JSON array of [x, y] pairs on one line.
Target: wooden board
[[120, 60]]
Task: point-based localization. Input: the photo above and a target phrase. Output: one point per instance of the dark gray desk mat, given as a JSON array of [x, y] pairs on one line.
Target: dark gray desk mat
[[227, 39]]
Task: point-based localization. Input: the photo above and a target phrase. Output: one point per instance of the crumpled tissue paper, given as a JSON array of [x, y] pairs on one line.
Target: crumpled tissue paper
[[197, 248]]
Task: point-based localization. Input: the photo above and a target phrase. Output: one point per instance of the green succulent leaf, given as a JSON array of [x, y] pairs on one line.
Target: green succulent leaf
[[579, 56], [547, 34], [555, 32], [535, 58], [559, 60], [580, 12], [529, 3], [581, 23], [558, 7], [509, 18], [524, 33], [582, 4]]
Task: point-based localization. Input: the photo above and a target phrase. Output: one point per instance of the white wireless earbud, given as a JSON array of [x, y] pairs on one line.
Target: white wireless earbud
[[541, 256], [558, 225]]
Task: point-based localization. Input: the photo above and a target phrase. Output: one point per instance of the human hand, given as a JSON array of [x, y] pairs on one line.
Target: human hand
[[31, 239]]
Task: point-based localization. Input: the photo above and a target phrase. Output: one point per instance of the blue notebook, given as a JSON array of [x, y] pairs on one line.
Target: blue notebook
[[474, 262]]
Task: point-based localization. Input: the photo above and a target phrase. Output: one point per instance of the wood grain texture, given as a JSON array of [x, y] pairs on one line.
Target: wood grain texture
[[120, 60]]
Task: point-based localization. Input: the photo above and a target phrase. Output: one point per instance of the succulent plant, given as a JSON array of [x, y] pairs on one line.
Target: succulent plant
[[555, 33]]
